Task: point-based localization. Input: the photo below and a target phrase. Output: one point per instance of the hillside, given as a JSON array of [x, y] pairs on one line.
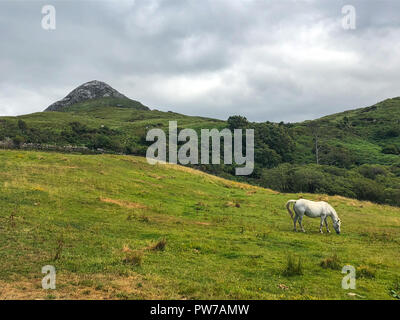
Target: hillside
[[370, 135], [91, 215], [358, 150]]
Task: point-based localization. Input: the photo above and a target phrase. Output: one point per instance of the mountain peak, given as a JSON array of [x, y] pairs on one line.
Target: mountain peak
[[90, 90]]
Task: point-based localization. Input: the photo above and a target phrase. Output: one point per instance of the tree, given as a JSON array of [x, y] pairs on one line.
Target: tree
[[237, 122], [18, 141], [22, 125]]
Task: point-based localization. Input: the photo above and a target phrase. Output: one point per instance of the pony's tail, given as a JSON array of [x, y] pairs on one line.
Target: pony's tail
[[288, 207]]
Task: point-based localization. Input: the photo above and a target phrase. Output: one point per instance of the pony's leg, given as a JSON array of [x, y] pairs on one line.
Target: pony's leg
[[295, 221], [326, 225], [301, 224], [321, 224]]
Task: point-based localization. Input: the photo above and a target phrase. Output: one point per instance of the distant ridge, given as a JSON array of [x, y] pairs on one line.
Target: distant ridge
[[88, 91]]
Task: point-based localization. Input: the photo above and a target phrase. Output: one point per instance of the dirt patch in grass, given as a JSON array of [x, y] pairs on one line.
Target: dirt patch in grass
[[83, 287], [124, 203], [251, 192], [233, 204]]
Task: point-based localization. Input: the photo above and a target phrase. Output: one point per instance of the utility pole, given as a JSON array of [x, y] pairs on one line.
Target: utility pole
[[316, 148], [315, 132]]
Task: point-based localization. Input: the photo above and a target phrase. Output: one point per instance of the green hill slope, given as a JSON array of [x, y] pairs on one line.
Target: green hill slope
[[358, 149], [369, 135], [94, 216], [111, 124]]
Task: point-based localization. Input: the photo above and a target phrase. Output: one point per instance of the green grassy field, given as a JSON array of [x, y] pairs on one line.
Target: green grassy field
[[91, 215]]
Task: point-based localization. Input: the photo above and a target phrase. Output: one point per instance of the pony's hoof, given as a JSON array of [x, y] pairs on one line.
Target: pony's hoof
[[328, 231]]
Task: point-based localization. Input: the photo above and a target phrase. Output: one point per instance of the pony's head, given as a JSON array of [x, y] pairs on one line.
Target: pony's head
[[336, 225]]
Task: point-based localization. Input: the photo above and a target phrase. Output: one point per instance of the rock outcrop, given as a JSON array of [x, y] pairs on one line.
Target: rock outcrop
[[89, 90]]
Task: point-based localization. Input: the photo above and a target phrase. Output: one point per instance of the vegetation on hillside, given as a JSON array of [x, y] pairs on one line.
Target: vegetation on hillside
[[354, 153]]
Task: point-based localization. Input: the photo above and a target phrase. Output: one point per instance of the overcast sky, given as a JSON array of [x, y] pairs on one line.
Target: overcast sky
[[287, 60]]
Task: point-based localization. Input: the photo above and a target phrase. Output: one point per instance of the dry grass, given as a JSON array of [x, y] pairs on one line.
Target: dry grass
[[133, 257], [75, 287], [233, 204], [202, 223], [124, 203]]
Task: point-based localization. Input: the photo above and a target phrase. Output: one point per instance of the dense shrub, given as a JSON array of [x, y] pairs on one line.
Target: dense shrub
[[385, 133], [307, 179], [391, 149], [336, 156], [366, 189], [18, 141], [383, 188], [372, 171]]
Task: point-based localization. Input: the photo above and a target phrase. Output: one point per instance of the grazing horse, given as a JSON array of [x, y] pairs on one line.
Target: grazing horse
[[313, 209]]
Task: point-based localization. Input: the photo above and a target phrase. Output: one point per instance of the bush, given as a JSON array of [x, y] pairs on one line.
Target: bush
[[18, 141], [387, 133], [278, 178], [392, 196], [336, 156], [293, 268], [371, 172], [308, 179], [22, 125], [391, 149], [366, 189]]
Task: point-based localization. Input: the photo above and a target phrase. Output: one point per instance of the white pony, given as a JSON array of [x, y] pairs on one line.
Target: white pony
[[313, 209]]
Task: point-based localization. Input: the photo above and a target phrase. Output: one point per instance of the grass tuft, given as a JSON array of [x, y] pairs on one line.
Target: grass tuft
[[394, 291], [133, 257], [365, 272], [331, 263], [293, 267], [144, 218], [59, 249], [160, 245]]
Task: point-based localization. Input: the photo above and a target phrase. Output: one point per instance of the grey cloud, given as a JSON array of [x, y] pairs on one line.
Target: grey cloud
[[268, 60]]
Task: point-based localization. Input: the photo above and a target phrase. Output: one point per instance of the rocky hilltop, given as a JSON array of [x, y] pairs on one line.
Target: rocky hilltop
[[87, 91]]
